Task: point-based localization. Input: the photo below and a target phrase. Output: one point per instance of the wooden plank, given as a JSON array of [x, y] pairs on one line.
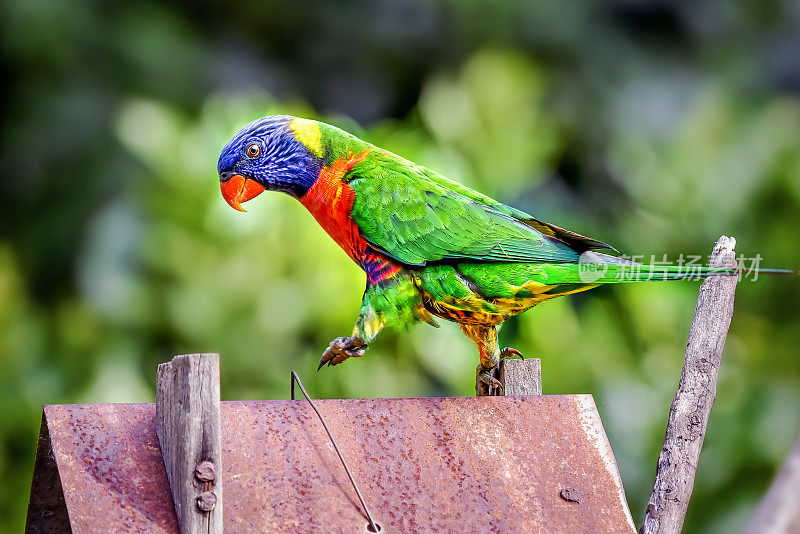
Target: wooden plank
[[521, 377], [697, 390], [188, 428]]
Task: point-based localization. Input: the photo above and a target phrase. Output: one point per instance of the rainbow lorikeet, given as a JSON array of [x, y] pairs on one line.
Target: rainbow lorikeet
[[429, 246]]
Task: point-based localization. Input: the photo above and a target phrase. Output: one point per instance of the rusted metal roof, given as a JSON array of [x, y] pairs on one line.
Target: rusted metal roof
[[482, 464]]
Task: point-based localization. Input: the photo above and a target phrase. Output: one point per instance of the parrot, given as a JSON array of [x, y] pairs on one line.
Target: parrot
[[430, 247]]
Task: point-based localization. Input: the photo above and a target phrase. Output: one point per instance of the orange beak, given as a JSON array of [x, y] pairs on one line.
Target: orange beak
[[238, 189]]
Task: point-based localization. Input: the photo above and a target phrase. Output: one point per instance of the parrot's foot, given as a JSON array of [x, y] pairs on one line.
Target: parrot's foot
[[342, 348], [508, 352], [487, 383]]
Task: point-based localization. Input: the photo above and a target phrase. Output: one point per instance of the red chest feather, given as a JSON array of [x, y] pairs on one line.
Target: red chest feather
[[330, 201]]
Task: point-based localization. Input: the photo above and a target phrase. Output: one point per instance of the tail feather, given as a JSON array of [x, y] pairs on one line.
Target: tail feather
[[596, 268], [617, 274]]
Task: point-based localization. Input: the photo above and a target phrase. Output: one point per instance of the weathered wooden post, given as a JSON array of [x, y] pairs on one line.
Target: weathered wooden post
[[521, 377], [518, 377], [188, 428], [697, 390], [778, 512]]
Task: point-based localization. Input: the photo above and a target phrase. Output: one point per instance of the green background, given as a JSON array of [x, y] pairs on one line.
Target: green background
[[655, 126]]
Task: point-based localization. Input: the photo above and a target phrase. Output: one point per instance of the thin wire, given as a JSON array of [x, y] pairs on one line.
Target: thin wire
[[294, 378]]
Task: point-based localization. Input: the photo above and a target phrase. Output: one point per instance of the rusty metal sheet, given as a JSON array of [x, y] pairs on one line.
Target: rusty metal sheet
[[110, 466], [467, 464]]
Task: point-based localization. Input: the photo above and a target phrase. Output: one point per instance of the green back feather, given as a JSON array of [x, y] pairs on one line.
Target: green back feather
[[416, 215]]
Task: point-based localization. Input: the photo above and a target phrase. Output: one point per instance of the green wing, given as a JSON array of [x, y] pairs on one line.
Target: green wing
[[417, 216]]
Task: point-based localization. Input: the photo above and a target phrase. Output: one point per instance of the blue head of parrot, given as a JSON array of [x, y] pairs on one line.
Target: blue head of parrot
[[265, 155]]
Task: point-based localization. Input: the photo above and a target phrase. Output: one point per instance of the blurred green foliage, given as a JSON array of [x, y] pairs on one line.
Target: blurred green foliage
[[653, 126]]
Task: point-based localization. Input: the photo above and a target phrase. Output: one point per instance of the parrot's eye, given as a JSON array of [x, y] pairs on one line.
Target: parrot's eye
[[253, 150]]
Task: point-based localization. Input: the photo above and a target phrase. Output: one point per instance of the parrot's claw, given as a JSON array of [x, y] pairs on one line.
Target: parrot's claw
[[487, 383], [508, 352], [342, 348]]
